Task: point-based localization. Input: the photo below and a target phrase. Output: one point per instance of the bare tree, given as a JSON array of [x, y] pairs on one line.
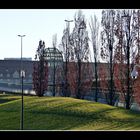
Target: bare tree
[[129, 36], [120, 58], [54, 43], [94, 27], [136, 41], [125, 53], [79, 42], [136, 56], [107, 38], [66, 47]]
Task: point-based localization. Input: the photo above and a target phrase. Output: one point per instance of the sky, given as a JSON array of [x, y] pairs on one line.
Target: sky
[[36, 24]]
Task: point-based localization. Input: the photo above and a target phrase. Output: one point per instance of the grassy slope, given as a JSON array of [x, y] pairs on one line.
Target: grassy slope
[[59, 113]]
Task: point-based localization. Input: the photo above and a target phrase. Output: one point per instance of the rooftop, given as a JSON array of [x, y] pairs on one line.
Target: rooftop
[[23, 58]]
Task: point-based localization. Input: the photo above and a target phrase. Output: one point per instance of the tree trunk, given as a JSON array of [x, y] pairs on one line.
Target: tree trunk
[[96, 82], [79, 80]]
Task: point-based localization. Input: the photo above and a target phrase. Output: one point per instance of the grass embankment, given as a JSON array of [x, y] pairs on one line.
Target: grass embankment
[[59, 113]]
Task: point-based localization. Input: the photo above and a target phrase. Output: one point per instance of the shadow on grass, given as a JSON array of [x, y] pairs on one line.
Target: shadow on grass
[[64, 117], [6, 100], [54, 122]]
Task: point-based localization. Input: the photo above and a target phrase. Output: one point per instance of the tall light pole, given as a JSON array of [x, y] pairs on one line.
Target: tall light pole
[[22, 74], [67, 57]]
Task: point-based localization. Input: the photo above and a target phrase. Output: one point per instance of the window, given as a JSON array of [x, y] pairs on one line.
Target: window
[[1, 75], [15, 74], [8, 75], [30, 76]]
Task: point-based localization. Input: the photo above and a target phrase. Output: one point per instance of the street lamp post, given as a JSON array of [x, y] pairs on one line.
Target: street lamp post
[[22, 74]]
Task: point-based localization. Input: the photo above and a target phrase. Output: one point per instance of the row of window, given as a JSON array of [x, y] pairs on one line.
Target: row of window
[[14, 80], [14, 75]]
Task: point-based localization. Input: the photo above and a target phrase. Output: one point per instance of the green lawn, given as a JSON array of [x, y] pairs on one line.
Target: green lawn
[[60, 113]]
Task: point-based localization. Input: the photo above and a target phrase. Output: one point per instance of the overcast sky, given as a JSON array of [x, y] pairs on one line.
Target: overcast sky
[[36, 24]]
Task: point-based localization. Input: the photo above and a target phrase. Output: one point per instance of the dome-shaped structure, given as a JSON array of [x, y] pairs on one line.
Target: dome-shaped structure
[[53, 55], [54, 59]]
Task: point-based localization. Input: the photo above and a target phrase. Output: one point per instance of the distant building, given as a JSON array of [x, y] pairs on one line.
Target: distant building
[[24, 58], [10, 79]]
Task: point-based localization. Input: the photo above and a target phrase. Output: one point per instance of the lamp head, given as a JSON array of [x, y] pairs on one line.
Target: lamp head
[[21, 35], [134, 74], [22, 73]]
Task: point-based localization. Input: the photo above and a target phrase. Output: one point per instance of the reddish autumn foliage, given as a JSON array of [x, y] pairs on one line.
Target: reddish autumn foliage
[[86, 78], [59, 79], [120, 80], [40, 84], [136, 88], [40, 70], [103, 80]]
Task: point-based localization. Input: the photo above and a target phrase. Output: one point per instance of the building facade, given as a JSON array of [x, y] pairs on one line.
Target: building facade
[[10, 79]]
